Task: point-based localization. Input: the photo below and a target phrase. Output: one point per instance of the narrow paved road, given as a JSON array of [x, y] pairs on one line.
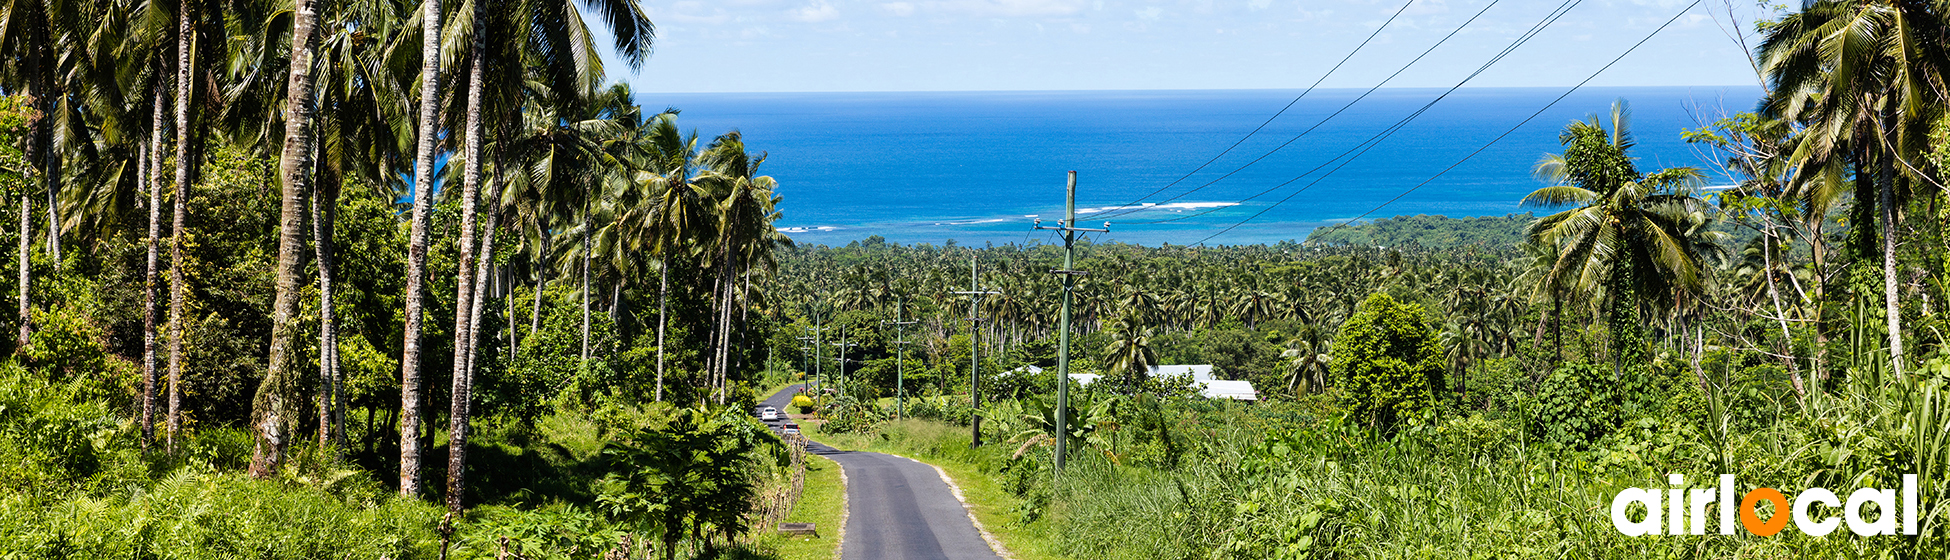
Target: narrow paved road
[[897, 508]]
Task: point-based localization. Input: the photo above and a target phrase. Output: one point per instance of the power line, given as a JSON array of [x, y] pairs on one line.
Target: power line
[[1364, 146], [1282, 111], [1323, 121], [1513, 129]]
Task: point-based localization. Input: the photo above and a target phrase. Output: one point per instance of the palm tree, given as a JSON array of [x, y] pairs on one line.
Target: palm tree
[[416, 249], [1866, 77], [1637, 236], [1130, 352], [271, 415], [676, 214], [28, 37], [745, 235], [1306, 362]]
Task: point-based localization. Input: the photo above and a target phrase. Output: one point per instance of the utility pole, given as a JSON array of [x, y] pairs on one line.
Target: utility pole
[[1067, 226], [975, 293], [900, 359], [804, 352], [843, 344], [819, 354]]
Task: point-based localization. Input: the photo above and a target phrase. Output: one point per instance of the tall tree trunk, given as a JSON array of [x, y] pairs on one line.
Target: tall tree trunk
[[481, 272], [185, 139], [1774, 292], [458, 419], [1887, 182], [324, 211], [663, 319], [151, 176], [416, 251], [585, 287], [35, 154], [541, 282], [724, 328], [270, 409]]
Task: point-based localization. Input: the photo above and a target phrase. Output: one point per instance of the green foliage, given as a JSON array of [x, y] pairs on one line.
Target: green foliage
[[691, 475], [1494, 232], [1389, 363], [1576, 405], [847, 415]]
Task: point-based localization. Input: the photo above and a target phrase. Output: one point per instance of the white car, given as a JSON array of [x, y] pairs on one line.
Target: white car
[[791, 429], [769, 414]]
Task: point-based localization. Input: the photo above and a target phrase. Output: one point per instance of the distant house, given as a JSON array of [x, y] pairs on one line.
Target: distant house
[[1195, 375]]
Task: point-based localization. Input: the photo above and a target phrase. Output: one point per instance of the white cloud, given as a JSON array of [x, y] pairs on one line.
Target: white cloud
[[1150, 13], [898, 8], [1009, 8], [818, 12], [1257, 5], [1080, 28], [1424, 7]]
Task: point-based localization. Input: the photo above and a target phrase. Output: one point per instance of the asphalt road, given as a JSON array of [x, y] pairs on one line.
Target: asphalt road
[[897, 508]]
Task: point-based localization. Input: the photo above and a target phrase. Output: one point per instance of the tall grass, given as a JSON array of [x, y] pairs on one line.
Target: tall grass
[[1276, 480]]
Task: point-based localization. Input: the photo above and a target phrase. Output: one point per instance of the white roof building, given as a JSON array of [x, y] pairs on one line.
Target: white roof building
[[1195, 375]]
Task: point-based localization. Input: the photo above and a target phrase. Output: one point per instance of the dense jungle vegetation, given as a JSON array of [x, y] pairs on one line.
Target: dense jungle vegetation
[[572, 334]]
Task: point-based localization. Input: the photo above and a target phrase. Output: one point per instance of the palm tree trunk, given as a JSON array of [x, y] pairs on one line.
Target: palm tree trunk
[[460, 410], [324, 212], [585, 288], [26, 266], [1894, 315], [31, 174], [541, 281], [185, 138], [416, 252], [480, 292], [663, 319], [270, 414], [151, 176]]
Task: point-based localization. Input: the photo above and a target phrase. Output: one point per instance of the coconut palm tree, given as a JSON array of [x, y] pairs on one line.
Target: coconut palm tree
[[1866, 77], [427, 149], [272, 414], [676, 213], [1636, 236], [1306, 362], [1130, 353], [746, 209]]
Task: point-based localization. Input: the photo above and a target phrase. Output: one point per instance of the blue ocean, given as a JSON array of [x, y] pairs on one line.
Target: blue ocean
[[980, 167]]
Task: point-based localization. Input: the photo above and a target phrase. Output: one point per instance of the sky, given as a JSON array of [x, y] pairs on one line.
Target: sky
[[976, 45]]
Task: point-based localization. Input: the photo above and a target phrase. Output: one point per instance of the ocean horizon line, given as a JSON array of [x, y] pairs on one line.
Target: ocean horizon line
[[1172, 90]]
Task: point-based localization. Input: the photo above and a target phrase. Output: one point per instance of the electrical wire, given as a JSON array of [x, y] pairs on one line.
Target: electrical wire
[[1493, 141], [1282, 111], [1316, 125], [1364, 146]]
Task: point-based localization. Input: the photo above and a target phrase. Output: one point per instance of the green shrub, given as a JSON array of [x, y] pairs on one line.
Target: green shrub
[[1388, 361]]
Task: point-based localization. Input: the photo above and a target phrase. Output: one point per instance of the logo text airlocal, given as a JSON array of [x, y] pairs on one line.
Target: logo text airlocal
[[1685, 509]]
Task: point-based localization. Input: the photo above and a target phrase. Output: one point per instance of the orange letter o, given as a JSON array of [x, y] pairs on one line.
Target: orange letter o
[[1751, 520]]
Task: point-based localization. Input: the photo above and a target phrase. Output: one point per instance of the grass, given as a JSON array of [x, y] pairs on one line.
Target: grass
[[976, 471], [822, 504]]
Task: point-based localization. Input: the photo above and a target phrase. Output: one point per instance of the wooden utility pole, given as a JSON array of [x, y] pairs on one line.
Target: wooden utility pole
[[1067, 226], [975, 293], [900, 359]]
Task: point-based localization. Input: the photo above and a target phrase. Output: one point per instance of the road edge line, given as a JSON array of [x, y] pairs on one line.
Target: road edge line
[[995, 545], [846, 508]]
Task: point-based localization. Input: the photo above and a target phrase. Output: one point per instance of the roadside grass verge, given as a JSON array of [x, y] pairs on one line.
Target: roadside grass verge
[[822, 504], [977, 471]]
